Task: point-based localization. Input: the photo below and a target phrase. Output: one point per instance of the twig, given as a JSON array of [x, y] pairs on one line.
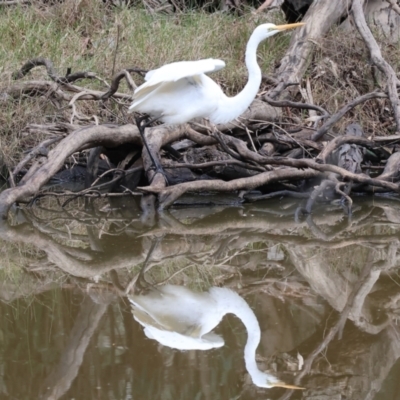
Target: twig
[[117, 78], [36, 62], [294, 104], [339, 191], [317, 192]]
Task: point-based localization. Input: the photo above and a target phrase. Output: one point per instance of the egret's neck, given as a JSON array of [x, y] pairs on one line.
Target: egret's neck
[[238, 104], [234, 304], [249, 320], [253, 84]]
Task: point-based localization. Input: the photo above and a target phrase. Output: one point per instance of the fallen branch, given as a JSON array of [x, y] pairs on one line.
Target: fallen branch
[[377, 59], [335, 118], [69, 78], [294, 104], [319, 18], [169, 195]]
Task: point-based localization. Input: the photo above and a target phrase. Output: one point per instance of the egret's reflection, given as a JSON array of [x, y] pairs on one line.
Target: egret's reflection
[[183, 319]]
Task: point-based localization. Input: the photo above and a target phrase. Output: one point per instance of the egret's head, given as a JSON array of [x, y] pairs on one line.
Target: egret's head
[[266, 30], [262, 379]]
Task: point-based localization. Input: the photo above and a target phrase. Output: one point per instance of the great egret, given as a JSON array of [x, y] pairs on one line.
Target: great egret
[[183, 319], [179, 92]]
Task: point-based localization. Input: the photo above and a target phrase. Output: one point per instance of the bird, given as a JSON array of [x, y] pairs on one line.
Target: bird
[[183, 319], [179, 92]]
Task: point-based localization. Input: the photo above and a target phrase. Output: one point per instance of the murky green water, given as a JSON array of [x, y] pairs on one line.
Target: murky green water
[[107, 304]]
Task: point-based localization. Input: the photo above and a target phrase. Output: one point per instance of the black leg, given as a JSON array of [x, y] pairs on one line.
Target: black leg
[[141, 285], [141, 127]]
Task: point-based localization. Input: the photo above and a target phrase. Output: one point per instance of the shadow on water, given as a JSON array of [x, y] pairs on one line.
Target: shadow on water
[[212, 303]]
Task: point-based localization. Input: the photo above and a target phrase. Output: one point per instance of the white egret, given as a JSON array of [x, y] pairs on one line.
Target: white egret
[[179, 92], [183, 319]]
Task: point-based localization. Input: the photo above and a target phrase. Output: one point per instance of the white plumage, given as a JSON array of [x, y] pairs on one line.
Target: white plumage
[[181, 91], [183, 319]]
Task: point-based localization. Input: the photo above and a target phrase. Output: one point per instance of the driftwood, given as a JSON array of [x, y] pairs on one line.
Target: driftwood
[[255, 157]]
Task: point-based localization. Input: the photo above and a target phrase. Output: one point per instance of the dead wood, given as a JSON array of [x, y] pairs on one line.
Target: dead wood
[[294, 104], [169, 195], [33, 88], [394, 6], [69, 78], [41, 150], [118, 77], [319, 18], [378, 60], [392, 169]]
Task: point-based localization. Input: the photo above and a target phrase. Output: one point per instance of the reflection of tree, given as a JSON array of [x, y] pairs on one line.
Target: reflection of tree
[[59, 380], [300, 267]]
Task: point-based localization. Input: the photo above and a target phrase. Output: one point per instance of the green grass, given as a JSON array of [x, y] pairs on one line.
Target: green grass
[[87, 40]]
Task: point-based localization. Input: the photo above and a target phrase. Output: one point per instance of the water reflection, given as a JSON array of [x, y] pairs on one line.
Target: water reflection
[[183, 319], [325, 290]]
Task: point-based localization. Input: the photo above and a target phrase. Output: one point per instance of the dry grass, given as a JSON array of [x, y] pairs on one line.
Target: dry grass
[[341, 71], [86, 39]]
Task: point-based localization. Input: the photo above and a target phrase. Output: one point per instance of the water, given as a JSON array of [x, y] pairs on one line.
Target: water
[[324, 291]]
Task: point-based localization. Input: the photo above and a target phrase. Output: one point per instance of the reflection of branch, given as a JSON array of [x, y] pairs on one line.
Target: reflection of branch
[[318, 233], [75, 261], [357, 295]]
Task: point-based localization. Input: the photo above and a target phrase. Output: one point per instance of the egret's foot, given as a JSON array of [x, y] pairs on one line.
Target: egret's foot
[[158, 169], [142, 125]]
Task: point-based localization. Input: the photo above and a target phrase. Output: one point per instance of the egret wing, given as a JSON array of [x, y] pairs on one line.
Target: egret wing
[[162, 320], [193, 331], [182, 69], [157, 78]]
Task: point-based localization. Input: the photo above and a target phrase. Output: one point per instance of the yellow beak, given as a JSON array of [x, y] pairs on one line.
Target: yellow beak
[[289, 26], [284, 385]]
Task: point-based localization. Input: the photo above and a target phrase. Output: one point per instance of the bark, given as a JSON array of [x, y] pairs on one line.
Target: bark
[[319, 19]]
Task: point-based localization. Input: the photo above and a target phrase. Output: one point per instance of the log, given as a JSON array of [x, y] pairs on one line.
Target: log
[[319, 18]]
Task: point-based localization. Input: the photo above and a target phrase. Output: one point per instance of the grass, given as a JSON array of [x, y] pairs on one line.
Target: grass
[[87, 40]]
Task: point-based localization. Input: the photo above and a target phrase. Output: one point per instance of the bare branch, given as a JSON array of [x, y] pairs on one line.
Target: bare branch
[[377, 59], [349, 106]]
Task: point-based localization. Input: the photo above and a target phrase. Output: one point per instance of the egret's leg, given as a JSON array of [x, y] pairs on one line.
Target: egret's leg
[[142, 285], [138, 284], [141, 125]]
